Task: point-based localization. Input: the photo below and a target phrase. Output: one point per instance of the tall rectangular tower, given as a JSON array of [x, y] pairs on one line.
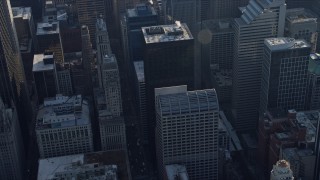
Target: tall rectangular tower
[[260, 19], [168, 60], [284, 74], [11, 68], [12, 154], [314, 82], [49, 39], [187, 130], [88, 12], [111, 84]]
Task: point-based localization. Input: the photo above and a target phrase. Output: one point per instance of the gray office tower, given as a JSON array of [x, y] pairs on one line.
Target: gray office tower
[[260, 19], [284, 74], [11, 148], [88, 12], [187, 130], [314, 82], [302, 24]]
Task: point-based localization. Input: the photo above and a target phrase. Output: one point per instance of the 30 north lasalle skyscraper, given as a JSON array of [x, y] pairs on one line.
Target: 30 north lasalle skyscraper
[[260, 19]]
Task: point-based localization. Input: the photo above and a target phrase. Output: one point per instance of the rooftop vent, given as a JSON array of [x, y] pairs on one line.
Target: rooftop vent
[[155, 30]]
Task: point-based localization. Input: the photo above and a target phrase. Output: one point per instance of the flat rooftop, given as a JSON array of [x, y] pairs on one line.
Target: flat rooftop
[[308, 120], [45, 28], [166, 33], [51, 117], [141, 10], [38, 64], [139, 68], [108, 161], [21, 12], [300, 15], [284, 43]]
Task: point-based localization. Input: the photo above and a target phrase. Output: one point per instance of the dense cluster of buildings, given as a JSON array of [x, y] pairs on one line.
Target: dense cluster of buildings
[[159, 89]]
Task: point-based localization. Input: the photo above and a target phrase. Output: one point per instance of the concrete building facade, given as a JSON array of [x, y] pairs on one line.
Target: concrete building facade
[[187, 130], [259, 20], [63, 127]]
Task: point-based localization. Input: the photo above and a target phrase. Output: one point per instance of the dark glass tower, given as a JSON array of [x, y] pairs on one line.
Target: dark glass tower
[[168, 60], [284, 74]]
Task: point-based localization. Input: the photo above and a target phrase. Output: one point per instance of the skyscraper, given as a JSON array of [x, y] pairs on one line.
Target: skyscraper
[[12, 75], [88, 12], [314, 82], [11, 148], [140, 90], [45, 76], [63, 127], [302, 24], [87, 59], [168, 61], [49, 39], [187, 130], [111, 84], [141, 16], [260, 19], [284, 74], [102, 45]]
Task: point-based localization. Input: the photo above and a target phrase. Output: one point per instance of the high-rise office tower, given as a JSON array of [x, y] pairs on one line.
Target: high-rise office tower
[[260, 19], [63, 127], [281, 170], [102, 40], [12, 154], [220, 49], [23, 20], [227, 8], [112, 131], [111, 84], [284, 74], [49, 39], [102, 45], [12, 74], [314, 82], [45, 76], [141, 16], [302, 24], [187, 130], [184, 11], [168, 60], [87, 59], [88, 12], [141, 99]]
